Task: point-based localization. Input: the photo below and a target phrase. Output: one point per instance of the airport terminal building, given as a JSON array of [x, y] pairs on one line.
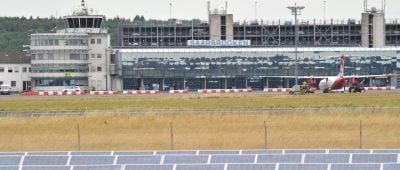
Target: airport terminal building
[[245, 67], [223, 54], [218, 54]]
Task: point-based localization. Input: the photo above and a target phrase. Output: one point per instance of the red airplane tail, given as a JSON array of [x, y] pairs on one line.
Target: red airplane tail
[[341, 71]]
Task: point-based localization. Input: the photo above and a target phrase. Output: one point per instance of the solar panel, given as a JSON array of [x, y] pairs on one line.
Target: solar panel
[[303, 166], [262, 152], [374, 158], [10, 160], [386, 151], [201, 167], [46, 167], [45, 160], [355, 167], [279, 158], [100, 167], [134, 153], [251, 166], [391, 166], [187, 159], [48, 153], [218, 152], [301, 151], [149, 167], [139, 159], [91, 153], [233, 158], [12, 153], [92, 160], [176, 152], [349, 151], [9, 168], [326, 158]]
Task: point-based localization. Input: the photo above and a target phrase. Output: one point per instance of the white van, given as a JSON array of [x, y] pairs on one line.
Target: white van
[[72, 89], [5, 89]]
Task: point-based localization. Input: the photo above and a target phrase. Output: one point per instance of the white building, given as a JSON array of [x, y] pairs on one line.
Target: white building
[[78, 55], [14, 70]]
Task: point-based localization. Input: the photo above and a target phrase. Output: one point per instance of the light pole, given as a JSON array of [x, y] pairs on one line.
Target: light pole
[[255, 10], [324, 10], [170, 10], [296, 10]]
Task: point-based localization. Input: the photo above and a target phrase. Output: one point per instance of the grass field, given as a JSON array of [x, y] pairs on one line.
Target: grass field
[[108, 130], [213, 101]]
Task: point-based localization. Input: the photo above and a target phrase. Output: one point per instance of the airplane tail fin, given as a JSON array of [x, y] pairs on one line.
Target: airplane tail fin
[[341, 73]]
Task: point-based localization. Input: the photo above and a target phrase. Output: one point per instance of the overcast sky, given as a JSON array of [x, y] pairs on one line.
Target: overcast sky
[[188, 9]]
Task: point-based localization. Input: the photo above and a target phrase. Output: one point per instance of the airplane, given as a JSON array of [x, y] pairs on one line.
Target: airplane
[[332, 83]]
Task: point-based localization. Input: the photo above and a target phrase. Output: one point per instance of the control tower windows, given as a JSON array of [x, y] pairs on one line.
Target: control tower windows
[[84, 22]]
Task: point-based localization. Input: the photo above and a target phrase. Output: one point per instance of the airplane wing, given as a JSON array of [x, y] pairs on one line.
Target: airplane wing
[[371, 76], [324, 77], [300, 77]]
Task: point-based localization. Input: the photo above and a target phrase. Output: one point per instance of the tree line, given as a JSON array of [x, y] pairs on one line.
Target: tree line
[[15, 31]]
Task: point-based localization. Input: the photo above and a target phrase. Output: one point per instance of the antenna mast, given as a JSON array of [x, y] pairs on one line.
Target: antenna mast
[[226, 6]]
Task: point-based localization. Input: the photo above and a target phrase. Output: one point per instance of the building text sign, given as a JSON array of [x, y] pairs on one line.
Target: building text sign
[[218, 43]]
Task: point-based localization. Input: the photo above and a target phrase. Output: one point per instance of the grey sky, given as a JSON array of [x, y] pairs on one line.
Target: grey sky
[[187, 9]]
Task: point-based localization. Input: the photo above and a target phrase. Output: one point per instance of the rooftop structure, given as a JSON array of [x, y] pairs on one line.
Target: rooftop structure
[[372, 30]]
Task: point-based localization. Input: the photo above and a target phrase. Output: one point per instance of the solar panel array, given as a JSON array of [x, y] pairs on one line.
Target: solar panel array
[[210, 160]]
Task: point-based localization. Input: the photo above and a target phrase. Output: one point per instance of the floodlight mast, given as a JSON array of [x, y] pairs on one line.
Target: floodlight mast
[[296, 10]]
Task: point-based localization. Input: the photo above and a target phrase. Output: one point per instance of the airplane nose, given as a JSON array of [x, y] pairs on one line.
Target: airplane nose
[[322, 84]]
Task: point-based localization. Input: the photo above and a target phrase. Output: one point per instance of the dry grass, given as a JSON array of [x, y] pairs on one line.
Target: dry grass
[[104, 129], [107, 131]]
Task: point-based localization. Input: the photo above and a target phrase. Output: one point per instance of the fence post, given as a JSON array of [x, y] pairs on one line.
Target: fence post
[[79, 139], [265, 135], [172, 137], [360, 134]]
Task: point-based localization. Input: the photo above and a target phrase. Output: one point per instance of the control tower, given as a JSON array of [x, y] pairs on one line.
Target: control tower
[[78, 55], [83, 20]]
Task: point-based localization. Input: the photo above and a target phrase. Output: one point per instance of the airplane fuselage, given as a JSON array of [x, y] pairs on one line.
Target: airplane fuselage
[[332, 83]]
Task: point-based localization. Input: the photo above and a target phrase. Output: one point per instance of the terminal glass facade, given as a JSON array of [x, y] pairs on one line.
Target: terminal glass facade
[[214, 68]]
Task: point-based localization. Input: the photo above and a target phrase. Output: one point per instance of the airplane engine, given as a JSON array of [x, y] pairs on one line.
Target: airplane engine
[[354, 81]]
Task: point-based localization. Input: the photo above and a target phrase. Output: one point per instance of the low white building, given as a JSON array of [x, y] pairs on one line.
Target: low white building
[[14, 70]]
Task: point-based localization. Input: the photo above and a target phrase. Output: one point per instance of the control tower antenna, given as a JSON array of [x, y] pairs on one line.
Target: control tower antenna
[[83, 4], [384, 6], [226, 6]]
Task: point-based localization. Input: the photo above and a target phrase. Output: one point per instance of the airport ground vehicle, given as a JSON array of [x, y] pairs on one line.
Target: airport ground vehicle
[[72, 89], [5, 89], [301, 89], [356, 89]]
